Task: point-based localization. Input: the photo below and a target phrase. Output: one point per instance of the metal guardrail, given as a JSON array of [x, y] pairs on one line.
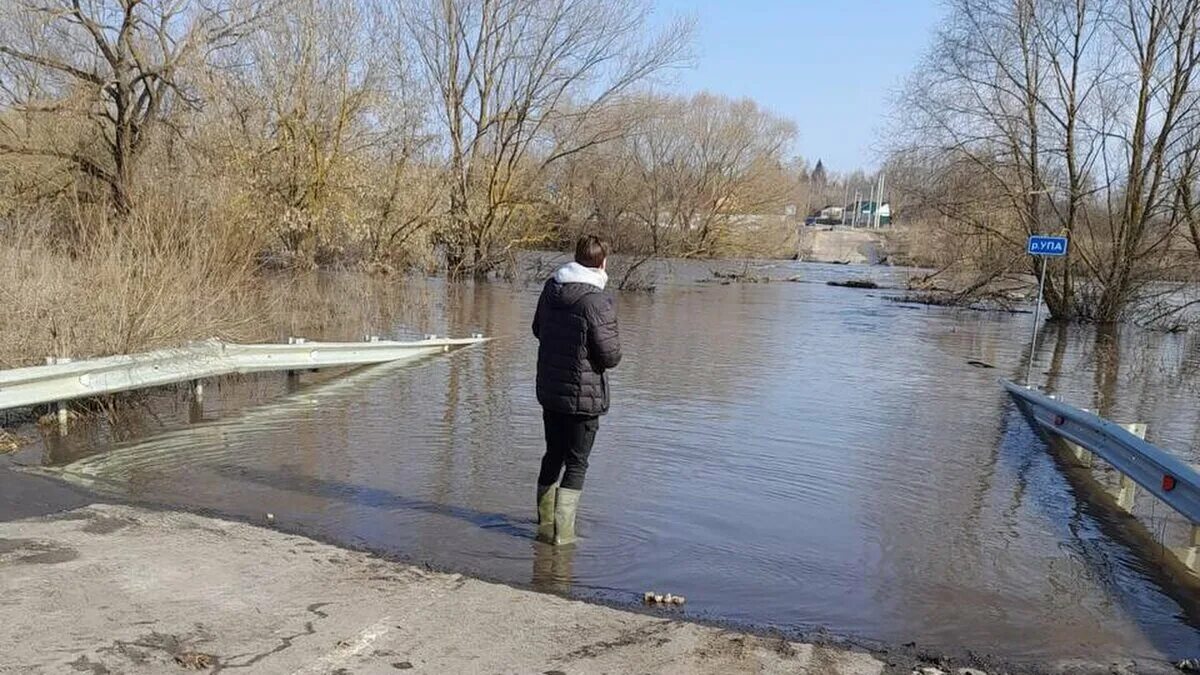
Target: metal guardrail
[[66, 380], [1157, 471]]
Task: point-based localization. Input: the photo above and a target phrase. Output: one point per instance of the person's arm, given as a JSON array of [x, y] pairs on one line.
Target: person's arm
[[537, 315], [604, 339]]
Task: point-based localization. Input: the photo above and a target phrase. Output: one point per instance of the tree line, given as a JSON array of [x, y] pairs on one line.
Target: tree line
[[448, 133]]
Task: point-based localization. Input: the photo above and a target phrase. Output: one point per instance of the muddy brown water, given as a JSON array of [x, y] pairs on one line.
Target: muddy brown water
[[787, 455]]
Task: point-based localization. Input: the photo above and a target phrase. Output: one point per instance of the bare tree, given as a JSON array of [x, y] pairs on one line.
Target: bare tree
[[1075, 116], [691, 173], [504, 71], [114, 65], [321, 128], [597, 190], [736, 160], [1161, 44], [973, 109]]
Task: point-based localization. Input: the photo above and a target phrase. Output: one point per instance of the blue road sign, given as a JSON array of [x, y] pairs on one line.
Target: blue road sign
[[1048, 246]]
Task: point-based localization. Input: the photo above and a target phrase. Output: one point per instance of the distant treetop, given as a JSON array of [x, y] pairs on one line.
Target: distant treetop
[[818, 173]]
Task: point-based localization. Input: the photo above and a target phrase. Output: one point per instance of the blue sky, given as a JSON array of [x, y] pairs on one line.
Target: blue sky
[[828, 65]]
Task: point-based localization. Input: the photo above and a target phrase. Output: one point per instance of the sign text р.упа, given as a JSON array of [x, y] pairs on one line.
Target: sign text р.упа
[[1048, 246]]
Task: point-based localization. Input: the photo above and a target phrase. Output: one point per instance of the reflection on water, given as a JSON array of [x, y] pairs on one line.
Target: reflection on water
[[787, 454], [552, 567]]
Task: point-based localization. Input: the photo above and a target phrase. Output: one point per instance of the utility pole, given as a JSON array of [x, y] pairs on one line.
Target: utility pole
[[845, 203], [878, 214], [871, 205], [878, 188]]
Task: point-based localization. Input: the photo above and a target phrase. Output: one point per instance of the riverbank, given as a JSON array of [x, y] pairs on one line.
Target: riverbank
[[109, 588]]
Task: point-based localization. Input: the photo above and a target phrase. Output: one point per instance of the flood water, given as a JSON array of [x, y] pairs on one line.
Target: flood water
[[791, 455]]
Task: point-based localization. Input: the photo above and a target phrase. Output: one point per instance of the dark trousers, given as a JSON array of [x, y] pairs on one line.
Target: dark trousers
[[569, 440]]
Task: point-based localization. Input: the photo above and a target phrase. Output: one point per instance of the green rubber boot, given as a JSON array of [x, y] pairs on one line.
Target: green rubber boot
[[564, 516], [546, 495]]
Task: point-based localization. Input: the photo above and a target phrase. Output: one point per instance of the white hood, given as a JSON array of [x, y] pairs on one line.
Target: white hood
[[574, 273]]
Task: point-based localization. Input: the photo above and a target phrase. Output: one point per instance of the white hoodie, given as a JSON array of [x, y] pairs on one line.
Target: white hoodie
[[574, 273]]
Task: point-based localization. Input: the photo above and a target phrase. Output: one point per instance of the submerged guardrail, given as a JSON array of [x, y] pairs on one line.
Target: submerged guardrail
[[62, 380], [1162, 474]]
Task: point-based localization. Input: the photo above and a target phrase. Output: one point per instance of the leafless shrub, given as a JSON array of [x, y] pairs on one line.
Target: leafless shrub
[[696, 176], [172, 277]]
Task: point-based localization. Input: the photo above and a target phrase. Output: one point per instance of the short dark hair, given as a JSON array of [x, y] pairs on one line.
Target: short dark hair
[[591, 251]]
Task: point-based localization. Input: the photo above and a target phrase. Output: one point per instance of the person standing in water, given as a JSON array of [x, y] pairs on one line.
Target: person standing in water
[[578, 343]]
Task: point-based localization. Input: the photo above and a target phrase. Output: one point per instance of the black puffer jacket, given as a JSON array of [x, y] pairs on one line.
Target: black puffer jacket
[[576, 328]]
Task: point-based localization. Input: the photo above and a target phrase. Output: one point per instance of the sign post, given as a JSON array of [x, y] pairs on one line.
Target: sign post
[[1042, 247]]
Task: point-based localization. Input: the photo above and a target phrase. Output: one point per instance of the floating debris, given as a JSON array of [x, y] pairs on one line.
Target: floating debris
[[744, 276], [854, 283], [652, 598]]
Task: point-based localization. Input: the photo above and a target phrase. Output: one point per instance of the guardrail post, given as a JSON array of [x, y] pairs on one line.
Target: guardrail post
[[1081, 455], [1190, 554], [1128, 492], [1137, 429], [293, 376], [62, 414]]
